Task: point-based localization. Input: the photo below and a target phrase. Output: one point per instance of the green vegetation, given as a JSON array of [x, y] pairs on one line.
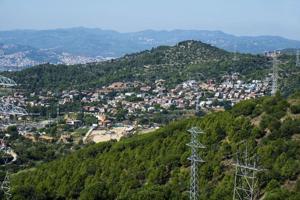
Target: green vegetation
[[155, 165], [30, 154], [289, 73], [187, 60], [295, 109]]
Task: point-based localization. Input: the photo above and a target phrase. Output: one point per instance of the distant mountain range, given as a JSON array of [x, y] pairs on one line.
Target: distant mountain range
[[48, 45]]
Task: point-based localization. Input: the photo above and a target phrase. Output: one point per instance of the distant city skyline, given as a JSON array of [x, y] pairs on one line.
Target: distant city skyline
[[251, 18]]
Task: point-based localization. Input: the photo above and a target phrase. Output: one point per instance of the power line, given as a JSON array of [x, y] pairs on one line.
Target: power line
[[195, 159], [274, 75], [297, 58], [235, 58], [197, 105], [5, 185], [7, 82], [245, 180], [57, 110], [8, 109]]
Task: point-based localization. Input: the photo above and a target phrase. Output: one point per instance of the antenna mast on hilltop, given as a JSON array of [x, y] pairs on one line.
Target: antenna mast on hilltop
[[195, 159], [297, 58], [274, 74], [235, 58], [245, 180]]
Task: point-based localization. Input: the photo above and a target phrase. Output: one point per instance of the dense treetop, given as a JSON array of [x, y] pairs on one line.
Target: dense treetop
[[155, 165], [186, 60]]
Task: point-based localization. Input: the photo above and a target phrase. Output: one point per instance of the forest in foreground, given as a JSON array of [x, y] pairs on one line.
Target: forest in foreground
[[155, 165]]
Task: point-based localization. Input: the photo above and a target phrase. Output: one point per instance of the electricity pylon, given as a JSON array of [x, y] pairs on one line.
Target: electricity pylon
[[7, 81], [245, 181], [274, 75], [57, 110], [5, 185], [8, 109], [235, 58], [297, 58], [195, 159], [197, 105]]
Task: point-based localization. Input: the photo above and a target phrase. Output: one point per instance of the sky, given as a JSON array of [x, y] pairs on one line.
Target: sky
[[239, 17]]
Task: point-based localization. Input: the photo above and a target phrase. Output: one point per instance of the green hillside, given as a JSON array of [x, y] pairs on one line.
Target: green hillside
[[155, 165], [186, 60], [289, 75]]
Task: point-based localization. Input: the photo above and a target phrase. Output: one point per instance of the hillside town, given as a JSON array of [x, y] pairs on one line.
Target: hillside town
[[12, 57], [125, 108]]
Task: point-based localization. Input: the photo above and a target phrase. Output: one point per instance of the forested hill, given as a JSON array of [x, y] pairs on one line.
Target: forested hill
[[155, 165], [186, 60]]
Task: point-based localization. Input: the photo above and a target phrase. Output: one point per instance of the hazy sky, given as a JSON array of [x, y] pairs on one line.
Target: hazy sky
[[241, 17]]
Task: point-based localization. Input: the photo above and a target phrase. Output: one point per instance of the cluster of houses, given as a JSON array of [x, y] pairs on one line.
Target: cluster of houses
[[152, 98], [233, 90], [17, 99], [137, 98]]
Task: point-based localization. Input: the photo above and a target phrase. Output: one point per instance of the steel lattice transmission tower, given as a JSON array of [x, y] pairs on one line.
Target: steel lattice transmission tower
[[235, 58], [245, 181], [5, 185], [8, 109], [197, 105], [297, 58], [195, 159], [274, 75], [7, 81]]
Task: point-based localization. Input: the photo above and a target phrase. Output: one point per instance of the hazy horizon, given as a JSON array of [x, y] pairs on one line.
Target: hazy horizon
[[255, 18], [149, 29]]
